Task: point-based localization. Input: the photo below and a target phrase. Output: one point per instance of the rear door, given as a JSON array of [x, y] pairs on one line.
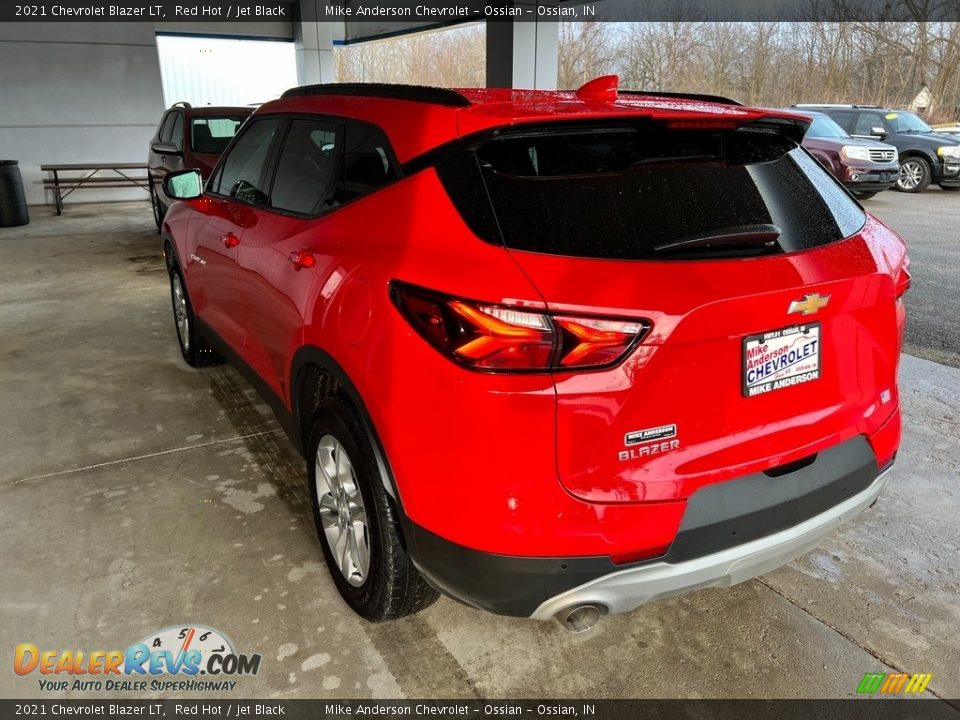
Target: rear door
[[322, 164], [292, 233], [773, 325], [229, 208]]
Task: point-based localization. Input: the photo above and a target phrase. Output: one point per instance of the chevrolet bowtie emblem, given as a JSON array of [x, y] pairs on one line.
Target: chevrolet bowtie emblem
[[809, 305]]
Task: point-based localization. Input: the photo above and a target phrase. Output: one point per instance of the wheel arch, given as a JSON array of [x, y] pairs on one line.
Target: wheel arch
[[170, 252], [920, 153], [315, 375]]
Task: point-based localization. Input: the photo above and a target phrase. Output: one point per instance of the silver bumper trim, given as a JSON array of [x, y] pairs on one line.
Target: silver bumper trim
[[625, 590]]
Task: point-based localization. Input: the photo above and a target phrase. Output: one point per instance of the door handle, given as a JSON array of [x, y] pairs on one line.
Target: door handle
[[302, 259], [230, 240]]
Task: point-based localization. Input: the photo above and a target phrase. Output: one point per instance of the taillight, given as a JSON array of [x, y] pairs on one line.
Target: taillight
[[491, 337], [903, 278]]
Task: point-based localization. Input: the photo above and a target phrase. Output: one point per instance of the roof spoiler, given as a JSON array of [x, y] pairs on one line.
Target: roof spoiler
[[606, 89]]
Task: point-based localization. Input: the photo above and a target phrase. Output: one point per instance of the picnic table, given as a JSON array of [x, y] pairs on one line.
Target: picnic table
[[124, 175]]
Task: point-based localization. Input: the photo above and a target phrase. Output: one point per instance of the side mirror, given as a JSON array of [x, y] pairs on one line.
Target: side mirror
[[166, 148], [878, 132], [183, 185]]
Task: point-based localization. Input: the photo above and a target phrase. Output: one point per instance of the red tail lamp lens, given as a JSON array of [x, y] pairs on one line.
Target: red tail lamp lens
[[495, 337], [592, 342], [504, 338]]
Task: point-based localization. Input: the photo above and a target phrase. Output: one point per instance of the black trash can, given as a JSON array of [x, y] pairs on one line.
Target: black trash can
[[13, 205]]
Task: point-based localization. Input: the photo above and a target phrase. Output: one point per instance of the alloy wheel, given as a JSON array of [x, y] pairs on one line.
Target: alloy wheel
[[343, 515], [910, 175], [180, 311]]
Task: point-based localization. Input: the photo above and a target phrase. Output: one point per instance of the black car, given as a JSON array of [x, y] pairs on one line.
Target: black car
[[925, 154]]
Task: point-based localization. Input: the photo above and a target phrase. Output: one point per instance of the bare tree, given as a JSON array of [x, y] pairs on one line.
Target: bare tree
[[767, 64]]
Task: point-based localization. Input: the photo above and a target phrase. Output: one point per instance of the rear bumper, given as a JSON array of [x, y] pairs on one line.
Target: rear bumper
[[625, 590], [731, 531]]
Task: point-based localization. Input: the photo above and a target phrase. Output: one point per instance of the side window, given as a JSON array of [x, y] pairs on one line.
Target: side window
[[310, 168], [844, 120], [369, 164], [176, 135], [166, 127], [242, 172], [866, 122]]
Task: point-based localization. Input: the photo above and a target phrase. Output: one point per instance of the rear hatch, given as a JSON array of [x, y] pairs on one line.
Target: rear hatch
[[773, 330]]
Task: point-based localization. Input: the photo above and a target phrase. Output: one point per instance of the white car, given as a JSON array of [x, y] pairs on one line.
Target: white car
[[948, 128]]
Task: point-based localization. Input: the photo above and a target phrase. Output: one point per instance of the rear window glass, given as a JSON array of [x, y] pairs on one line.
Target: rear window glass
[[211, 135], [644, 192]]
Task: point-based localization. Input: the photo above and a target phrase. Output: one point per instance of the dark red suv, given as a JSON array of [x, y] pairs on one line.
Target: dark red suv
[[550, 353], [864, 167], [189, 137]]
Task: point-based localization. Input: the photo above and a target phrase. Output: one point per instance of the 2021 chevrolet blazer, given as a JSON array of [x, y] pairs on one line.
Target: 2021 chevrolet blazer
[[549, 353]]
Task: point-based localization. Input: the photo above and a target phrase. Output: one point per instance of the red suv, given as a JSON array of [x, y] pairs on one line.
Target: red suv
[[549, 353]]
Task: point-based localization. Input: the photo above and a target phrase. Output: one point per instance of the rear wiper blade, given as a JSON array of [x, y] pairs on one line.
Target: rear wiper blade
[[725, 237]]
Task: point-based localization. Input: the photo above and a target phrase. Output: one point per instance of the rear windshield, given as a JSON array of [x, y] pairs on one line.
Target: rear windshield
[[645, 192], [211, 135]]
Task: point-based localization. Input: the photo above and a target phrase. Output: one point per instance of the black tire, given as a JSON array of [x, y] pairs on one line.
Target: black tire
[[950, 188], [159, 211], [861, 195], [392, 587], [195, 350], [914, 175]]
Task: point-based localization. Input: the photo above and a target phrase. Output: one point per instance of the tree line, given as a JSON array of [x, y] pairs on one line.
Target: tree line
[[768, 64]]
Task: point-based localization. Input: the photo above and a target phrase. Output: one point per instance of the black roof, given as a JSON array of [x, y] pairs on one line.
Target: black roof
[[413, 93]]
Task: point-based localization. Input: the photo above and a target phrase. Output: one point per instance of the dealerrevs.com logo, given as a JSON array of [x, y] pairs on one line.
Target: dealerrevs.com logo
[[185, 658]]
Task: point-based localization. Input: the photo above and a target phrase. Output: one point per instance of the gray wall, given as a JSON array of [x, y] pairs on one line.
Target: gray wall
[[77, 92]]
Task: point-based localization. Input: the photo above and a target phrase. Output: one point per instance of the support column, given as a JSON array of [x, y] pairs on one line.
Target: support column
[[523, 54], [313, 39]]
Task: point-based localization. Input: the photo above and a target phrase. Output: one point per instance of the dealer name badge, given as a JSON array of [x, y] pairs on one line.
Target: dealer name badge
[[781, 359]]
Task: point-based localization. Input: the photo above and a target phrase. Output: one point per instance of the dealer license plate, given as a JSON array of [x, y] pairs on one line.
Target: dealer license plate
[[780, 359]]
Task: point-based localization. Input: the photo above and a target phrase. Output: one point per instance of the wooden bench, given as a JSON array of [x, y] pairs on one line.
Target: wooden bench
[[123, 176]]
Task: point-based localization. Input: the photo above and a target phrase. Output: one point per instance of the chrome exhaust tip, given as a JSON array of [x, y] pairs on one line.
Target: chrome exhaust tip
[[580, 618]]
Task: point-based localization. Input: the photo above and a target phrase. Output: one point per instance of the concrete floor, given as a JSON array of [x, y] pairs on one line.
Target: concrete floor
[[136, 494]]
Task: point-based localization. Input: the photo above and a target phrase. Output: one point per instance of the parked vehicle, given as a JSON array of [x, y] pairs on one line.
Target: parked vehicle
[[925, 155], [948, 129], [864, 167], [549, 353], [188, 137]]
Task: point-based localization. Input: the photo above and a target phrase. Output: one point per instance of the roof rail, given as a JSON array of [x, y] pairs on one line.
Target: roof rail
[[828, 105], [182, 103], [681, 96], [389, 91]]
